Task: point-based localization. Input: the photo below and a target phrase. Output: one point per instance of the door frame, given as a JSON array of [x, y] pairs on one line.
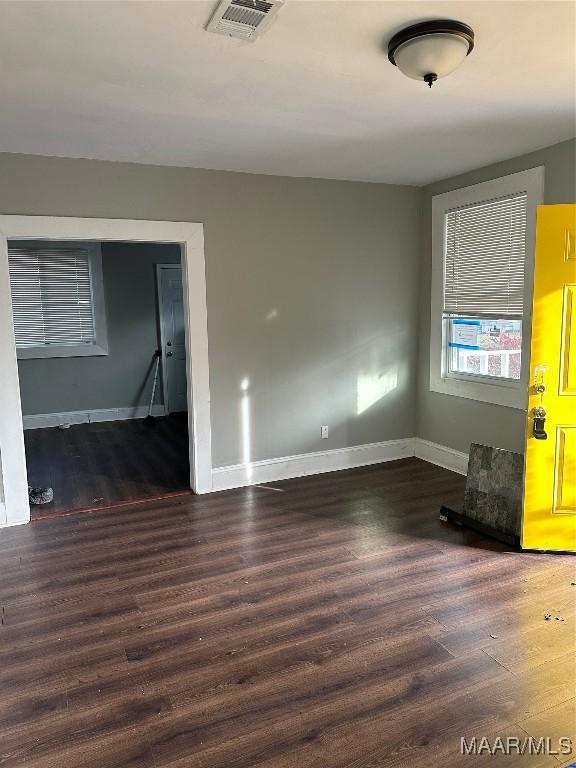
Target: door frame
[[14, 506], [159, 269]]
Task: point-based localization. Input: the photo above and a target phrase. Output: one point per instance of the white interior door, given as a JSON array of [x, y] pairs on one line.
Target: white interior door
[[173, 338]]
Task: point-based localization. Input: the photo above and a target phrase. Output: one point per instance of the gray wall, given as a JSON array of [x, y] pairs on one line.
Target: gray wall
[[123, 377], [312, 286], [455, 421]]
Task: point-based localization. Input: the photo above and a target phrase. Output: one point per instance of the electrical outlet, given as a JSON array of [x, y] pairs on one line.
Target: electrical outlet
[[324, 432]]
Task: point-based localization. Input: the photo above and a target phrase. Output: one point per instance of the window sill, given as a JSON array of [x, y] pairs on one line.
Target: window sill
[[509, 396], [82, 350]]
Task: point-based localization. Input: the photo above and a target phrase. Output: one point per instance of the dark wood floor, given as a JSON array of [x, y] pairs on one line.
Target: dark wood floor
[[106, 463], [333, 622]]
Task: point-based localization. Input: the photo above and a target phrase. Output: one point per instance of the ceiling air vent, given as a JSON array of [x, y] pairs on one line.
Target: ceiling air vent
[[246, 19]]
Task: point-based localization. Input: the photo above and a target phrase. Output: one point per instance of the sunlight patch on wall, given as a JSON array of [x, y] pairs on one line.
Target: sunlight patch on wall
[[245, 426], [372, 387]]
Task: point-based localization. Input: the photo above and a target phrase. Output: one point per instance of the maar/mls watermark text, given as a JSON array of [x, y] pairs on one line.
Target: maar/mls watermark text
[[514, 745]]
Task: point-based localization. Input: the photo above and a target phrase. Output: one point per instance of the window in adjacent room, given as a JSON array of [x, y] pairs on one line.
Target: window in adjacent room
[[483, 239], [57, 298]]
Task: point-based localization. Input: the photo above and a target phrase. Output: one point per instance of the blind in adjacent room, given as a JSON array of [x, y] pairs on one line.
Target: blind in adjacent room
[[51, 296], [485, 252]]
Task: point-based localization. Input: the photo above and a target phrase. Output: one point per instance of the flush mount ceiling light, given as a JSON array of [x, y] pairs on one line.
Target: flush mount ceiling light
[[431, 49]]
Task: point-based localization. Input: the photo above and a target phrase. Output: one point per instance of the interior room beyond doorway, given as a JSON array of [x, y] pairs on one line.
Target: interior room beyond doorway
[[102, 370]]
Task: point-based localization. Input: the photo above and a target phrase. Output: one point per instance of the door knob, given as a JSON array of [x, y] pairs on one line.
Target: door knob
[[169, 354], [539, 416]]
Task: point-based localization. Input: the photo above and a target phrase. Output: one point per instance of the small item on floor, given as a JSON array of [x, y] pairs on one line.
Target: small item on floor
[[573, 583], [444, 518], [494, 637], [39, 496], [547, 616], [64, 426], [560, 618]]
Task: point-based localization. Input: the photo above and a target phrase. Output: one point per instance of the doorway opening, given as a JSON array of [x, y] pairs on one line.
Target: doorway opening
[[14, 496], [102, 365]]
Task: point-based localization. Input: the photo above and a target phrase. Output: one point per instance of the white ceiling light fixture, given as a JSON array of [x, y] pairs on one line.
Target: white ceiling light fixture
[[432, 49]]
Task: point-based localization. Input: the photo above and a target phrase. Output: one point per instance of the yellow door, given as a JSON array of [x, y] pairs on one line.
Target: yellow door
[[550, 476]]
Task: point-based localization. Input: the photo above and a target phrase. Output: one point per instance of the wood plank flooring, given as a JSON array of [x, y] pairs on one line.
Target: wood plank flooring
[[333, 622], [106, 463]]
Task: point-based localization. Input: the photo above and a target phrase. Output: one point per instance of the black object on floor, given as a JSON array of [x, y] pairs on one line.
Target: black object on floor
[[107, 463], [458, 518]]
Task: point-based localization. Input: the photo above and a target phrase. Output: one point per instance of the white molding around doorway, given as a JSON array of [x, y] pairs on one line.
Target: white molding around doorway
[[14, 508]]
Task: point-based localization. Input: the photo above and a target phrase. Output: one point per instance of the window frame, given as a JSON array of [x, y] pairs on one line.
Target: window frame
[[512, 393], [100, 347]]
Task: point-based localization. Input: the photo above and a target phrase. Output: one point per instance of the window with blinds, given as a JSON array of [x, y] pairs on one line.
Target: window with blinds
[[485, 250], [484, 271], [52, 296], [481, 279]]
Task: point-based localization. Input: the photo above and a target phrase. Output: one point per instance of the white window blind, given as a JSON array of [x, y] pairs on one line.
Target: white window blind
[[485, 249], [51, 295]]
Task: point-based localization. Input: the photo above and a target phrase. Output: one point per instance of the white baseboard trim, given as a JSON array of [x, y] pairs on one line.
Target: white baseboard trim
[[41, 420], [441, 455], [272, 470]]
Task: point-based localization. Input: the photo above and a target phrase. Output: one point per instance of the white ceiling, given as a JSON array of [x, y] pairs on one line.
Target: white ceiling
[[315, 96]]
